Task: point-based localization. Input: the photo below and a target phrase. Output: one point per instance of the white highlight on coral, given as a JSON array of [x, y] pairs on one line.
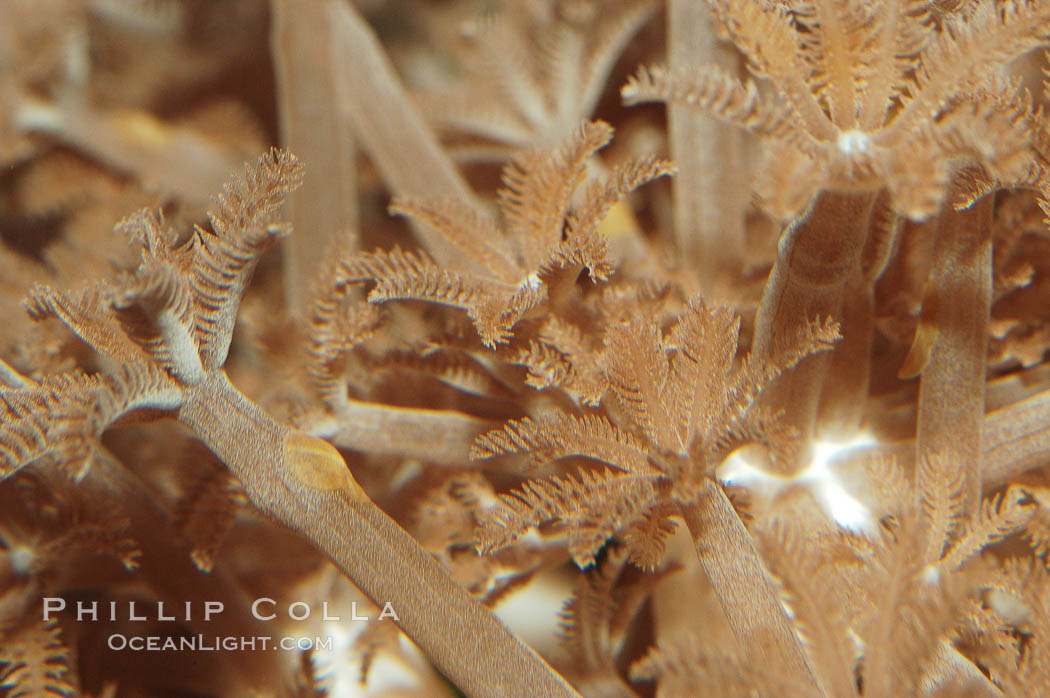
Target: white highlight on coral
[[819, 479], [532, 281], [35, 115], [839, 504], [931, 575], [339, 666], [533, 611], [22, 558], [854, 142]]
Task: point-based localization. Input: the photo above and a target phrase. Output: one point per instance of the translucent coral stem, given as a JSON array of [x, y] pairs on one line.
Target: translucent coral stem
[[1016, 439], [709, 195], [957, 306], [325, 208], [814, 261], [308, 488], [437, 436], [387, 123], [747, 591], [844, 398]]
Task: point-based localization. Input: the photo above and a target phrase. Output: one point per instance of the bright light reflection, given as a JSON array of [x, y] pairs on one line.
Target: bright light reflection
[[741, 470], [339, 666]]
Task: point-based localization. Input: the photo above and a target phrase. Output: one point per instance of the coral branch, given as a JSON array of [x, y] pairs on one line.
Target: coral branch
[[746, 590]]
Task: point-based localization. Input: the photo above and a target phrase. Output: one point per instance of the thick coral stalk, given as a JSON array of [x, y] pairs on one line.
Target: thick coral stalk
[[815, 258], [324, 209], [845, 393], [709, 196], [846, 384], [957, 307], [387, 123], [747, 591], [303, 483], [1016, 439], [440, 436]]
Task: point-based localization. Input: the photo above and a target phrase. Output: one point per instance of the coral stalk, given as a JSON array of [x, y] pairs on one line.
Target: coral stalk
[[747, 591], [303, 483], [324, 209], [958, 304], [709, 197], [814, 260], [386, 121]]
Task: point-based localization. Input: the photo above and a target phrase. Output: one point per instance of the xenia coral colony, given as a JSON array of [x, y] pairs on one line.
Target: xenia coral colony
[[754, 396]]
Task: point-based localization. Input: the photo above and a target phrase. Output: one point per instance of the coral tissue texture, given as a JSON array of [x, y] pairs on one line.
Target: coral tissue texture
[[524, 348]]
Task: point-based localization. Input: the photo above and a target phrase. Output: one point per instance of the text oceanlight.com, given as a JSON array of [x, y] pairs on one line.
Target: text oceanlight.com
[[202, 643]]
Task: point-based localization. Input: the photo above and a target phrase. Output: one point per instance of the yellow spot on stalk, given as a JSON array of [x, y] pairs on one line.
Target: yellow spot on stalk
[[318, 465], [920, 352], [144, 129], [619, 222]]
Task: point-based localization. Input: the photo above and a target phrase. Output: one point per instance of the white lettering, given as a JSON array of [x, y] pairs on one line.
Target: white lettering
[[160, 612], [389, 612], [211, 608], [306, 611], [255, 609], [53, 604], [81, 612]]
